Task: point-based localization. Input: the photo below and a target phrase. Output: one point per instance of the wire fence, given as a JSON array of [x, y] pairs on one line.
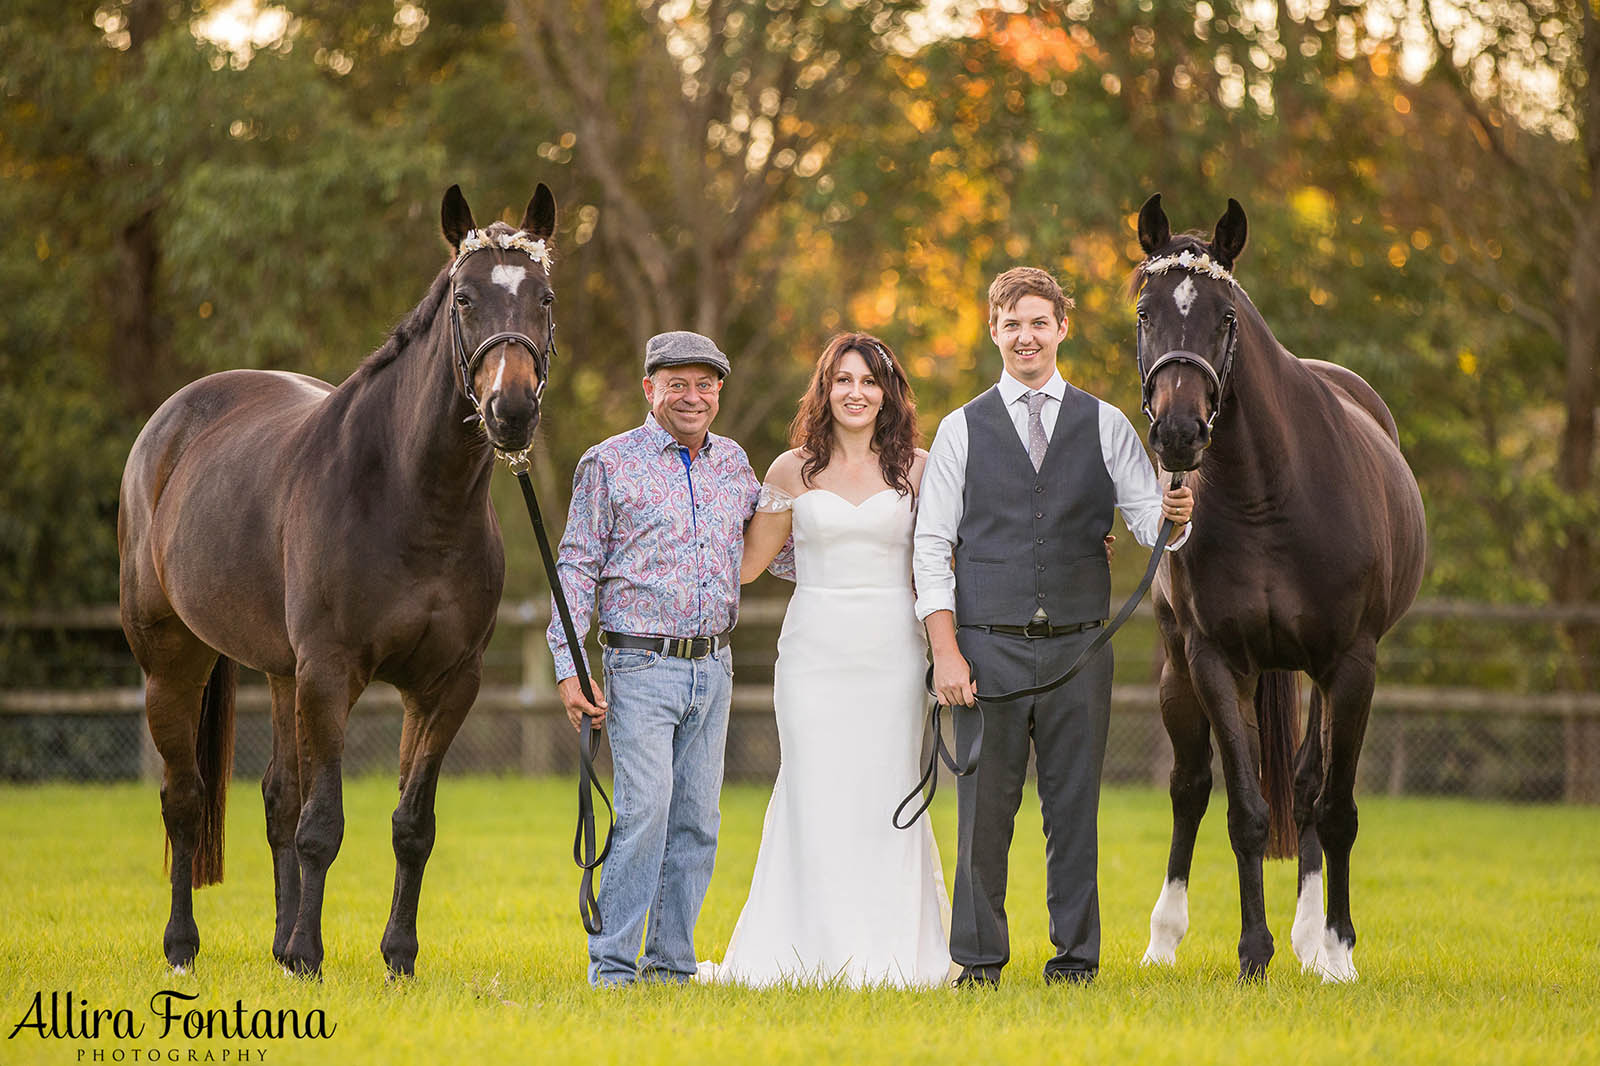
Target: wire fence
[[1473, 700]]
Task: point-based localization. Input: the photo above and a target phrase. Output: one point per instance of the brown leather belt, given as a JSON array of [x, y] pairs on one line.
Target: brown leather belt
[[676, 647]]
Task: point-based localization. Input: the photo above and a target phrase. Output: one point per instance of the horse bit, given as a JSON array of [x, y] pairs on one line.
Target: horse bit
[[518, 461]]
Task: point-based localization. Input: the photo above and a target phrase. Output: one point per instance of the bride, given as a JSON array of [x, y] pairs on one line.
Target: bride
[[839, 894]]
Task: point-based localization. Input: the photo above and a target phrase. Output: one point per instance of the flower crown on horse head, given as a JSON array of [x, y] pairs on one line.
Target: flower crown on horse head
[[477, 239], [1198, 262]]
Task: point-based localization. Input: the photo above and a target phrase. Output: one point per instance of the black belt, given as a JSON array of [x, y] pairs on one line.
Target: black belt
[[1040, 629], [676, 647]]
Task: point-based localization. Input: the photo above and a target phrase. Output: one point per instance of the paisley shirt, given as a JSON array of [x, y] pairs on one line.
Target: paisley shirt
[[655, 540]]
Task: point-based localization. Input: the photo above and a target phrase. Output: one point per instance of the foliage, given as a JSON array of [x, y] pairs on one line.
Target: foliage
[[773, 170]]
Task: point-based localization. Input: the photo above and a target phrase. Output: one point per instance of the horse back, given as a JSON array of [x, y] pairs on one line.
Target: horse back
[[202, 500]]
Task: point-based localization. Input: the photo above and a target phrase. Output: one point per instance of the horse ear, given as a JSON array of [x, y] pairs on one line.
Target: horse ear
[[455, 216], [1154, 229], [540, 218], [1228, 239]]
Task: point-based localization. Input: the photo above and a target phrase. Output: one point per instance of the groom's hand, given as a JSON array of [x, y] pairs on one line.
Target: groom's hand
[[952, 680], [571, 693], [1177, 504]]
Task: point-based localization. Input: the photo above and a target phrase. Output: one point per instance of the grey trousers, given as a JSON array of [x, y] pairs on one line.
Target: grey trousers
[[1067, 731]]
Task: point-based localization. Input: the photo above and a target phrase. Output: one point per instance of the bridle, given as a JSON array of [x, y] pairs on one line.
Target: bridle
[[1216, 380], [468, 365]]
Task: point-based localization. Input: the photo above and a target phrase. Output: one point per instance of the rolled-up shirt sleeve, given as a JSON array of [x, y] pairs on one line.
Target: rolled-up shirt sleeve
[[939, 511], [580, 557], [1137, 490]]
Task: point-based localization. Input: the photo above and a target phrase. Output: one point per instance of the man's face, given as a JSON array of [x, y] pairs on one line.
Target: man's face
[[684, 400], [1028, 334]]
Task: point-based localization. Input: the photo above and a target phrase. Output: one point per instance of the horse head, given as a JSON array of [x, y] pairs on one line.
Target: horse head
[[1188, 329], [502, 322]]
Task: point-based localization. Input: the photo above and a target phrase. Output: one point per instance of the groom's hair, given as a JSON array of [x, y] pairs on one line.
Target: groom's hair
[[1014, 284]]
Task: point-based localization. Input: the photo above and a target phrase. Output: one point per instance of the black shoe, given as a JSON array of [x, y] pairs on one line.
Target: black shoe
[[1069, 977], [979, 977]]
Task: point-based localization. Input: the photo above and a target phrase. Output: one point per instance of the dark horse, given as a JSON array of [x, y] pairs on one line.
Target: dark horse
[[329, 537], [1307, 546]]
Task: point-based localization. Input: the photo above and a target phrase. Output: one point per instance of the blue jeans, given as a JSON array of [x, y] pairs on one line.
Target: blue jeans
[[668, 720]]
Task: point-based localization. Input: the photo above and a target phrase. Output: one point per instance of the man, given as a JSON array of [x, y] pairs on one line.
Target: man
[[654, 541], [1012, 583]]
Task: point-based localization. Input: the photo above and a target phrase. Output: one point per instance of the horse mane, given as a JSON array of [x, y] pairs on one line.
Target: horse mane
[[419, 321], [1193, 241]]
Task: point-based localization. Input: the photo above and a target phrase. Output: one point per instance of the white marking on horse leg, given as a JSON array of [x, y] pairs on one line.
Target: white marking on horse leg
[[1306, 934], [1335, 964], [1168, 922], [508, 277], [1184, 296]]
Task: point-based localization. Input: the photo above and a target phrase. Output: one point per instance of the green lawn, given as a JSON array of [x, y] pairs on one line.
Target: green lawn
[[1479, 942]]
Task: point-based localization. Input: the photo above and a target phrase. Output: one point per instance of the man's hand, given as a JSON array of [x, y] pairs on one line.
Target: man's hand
[[578, 707], [1177, 504], [952, 680], [1111, 547]]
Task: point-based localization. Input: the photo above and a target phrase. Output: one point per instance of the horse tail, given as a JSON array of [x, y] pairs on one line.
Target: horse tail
[[214, 753], [1277, 721]]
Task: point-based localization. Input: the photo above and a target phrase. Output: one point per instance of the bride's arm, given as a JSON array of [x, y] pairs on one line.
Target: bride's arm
[[769, 530], [919, 463]]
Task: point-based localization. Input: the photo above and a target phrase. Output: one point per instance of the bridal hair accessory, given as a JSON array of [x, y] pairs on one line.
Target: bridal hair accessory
[[1196, 262], [478, 239]]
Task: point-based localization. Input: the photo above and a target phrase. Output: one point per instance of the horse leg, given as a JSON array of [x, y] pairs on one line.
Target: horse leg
[[1223, 694], [430, 725], [280, 792], [323, 696], [1306, 934], [1349, 691], [1190, 786]]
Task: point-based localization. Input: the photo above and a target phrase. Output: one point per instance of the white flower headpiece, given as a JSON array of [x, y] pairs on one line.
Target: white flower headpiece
[[1196, 262], [477, 239]]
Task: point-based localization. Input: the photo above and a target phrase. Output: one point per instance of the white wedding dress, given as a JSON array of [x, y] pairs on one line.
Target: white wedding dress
[[839, 895]]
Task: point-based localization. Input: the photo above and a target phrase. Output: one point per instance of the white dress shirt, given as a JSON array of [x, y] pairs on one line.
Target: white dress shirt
[[940, 503]]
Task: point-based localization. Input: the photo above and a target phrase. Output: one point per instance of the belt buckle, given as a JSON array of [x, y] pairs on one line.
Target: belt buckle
[[1036, 628], [700, 647]]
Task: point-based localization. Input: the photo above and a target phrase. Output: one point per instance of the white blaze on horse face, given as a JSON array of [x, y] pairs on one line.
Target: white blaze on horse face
[[1168, 922], [1306, 934], [508, 277], [1184, 296]]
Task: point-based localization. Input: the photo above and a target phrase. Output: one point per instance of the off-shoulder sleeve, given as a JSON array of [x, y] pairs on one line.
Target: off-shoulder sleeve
[[773, 500]]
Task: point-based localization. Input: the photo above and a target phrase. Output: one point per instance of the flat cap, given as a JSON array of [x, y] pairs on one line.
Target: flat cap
[[680, 348]]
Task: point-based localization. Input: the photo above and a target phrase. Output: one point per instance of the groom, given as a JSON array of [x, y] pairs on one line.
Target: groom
[[1012, 583]]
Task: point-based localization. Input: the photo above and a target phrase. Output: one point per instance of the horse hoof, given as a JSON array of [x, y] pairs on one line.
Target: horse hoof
[[1155, 957], [1335, 962]]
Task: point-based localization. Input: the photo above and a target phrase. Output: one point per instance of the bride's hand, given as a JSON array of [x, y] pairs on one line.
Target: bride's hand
[[952, 680]]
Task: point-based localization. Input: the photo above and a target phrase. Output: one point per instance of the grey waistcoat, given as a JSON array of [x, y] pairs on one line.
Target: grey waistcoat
[[1029, 540]]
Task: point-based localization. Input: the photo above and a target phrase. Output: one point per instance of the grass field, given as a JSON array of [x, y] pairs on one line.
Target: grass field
[[1479, 942]]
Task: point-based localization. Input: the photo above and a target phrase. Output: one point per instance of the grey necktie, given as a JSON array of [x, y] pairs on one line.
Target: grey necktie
[[1037, 441]]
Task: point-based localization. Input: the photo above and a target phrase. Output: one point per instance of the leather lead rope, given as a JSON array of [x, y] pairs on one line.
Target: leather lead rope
[[583, 839], [929, 784]]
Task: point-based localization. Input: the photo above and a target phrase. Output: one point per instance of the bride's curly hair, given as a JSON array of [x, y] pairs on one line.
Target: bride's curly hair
[[894, 438]]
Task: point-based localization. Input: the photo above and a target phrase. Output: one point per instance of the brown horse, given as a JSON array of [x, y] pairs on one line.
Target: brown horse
[[1307, 546], [329, 537]]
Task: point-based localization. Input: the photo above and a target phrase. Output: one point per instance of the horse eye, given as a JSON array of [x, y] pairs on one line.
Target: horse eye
[[463, 301], [549, 298], [1144, 316]]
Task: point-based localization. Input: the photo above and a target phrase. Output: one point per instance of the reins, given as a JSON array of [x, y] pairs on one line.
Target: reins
[[585, 853], [929, 784]]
